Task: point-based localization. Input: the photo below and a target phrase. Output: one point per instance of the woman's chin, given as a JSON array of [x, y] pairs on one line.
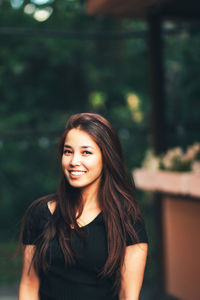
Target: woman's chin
[[76, 184]]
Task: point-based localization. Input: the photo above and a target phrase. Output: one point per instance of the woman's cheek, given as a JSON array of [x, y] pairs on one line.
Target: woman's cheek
[[64, 162]]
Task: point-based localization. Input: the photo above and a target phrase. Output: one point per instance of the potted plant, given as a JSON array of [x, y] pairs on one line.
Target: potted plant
[[175, 171]]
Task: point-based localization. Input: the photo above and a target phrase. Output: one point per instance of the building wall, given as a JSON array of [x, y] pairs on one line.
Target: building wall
[[181, 229]]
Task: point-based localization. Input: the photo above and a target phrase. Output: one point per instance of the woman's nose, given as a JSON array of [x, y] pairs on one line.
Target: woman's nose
[[76, 160]]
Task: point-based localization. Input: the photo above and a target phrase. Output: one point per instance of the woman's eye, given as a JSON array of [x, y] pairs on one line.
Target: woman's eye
[[86, 152], [67, 151]]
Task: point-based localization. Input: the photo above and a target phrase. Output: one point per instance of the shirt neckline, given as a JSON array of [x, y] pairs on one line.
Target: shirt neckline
[[84, 226], [91, 222]]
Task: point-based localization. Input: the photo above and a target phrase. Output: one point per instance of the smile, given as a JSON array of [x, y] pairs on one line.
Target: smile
[[76, 172]]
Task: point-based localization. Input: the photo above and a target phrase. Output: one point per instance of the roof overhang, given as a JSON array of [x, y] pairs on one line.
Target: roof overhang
[[144, 8]]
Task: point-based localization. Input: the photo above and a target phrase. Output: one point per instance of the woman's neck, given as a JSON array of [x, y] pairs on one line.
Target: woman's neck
[[90, 197]]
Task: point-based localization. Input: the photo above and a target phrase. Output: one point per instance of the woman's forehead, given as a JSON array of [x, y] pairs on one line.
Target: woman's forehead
[[80, 138]]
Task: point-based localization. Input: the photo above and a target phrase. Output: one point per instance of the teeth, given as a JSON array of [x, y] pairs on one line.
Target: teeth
[[77, 173]]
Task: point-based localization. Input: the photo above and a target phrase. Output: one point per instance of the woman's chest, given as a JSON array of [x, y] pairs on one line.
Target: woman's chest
[[91, 254]]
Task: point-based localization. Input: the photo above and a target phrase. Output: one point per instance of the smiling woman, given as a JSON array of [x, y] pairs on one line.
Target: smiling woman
[[88, 240], [82, 161]]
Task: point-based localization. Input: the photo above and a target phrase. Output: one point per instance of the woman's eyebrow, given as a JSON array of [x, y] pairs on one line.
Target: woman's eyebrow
[[83, 147]]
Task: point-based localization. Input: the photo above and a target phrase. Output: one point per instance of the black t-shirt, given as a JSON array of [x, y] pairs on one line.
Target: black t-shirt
[[79, 281]]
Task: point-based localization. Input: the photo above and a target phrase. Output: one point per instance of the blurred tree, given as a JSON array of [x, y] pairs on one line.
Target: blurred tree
[[44, 78], [55, 60], [182, 85]]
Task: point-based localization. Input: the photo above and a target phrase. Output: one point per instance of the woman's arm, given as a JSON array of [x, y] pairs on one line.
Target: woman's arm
[[29, 284], [133, 271]]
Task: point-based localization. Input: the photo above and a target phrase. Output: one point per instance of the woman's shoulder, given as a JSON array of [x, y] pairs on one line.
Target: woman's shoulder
[[139, 226], [51, 204], [40, 205], [36, 218]]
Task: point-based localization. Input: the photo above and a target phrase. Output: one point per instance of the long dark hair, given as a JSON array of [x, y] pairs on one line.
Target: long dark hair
[[116, 197]]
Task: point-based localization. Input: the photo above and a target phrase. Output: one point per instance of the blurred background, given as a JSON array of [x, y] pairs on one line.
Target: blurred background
[[137, 64]]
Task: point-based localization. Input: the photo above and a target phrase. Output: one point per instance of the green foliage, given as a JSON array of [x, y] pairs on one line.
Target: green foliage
[[183, 89], [10, 268], [44, 79]]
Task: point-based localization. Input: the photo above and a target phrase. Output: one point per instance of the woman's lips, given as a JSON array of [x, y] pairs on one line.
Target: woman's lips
[[76, 174]]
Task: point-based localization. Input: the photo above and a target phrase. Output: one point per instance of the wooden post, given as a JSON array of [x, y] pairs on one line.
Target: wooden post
[[158, 131], [156, 80]]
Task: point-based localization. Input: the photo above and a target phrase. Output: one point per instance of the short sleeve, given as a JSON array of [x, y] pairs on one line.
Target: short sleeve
[[140, 228], [31, 226]]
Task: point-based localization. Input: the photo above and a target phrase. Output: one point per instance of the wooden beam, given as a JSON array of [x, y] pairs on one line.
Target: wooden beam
[[121, 7], [158, 132], [156, 80]]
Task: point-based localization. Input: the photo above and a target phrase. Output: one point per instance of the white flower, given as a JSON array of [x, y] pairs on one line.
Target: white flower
[[195, 167], [151, 162], [175, 159]]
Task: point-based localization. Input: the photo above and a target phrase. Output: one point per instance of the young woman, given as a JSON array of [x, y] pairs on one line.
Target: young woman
[[87, 241]]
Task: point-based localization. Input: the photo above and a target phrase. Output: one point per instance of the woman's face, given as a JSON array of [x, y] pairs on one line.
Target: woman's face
[[82, 159]]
